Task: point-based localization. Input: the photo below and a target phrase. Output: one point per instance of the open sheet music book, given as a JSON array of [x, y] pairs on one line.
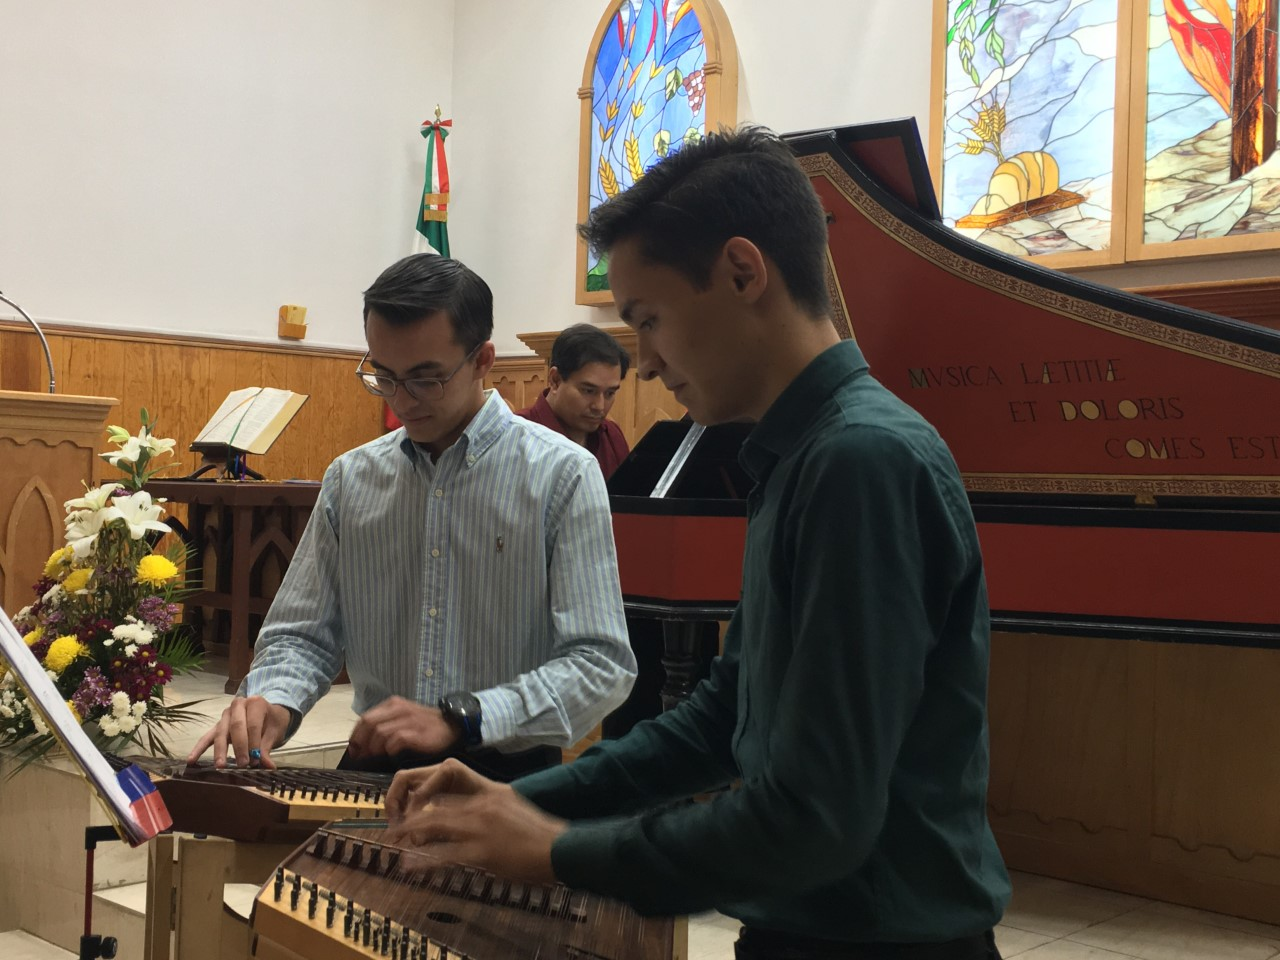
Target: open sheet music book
[[132, 802], [249, 420]]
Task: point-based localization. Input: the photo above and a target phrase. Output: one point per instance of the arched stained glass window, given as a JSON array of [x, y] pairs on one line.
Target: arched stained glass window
[[659, 74]]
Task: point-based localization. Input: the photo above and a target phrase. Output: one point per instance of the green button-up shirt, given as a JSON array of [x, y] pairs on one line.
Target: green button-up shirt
[[850, 701]]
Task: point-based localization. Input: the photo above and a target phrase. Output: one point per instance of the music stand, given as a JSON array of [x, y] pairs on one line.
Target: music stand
[[136, 810], [224, 458]]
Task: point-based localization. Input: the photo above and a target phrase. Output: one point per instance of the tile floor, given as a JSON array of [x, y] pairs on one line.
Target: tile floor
[[1046, 920], [330, 722], [1054, 920]]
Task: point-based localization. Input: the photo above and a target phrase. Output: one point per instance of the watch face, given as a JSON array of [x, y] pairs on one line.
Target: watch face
[[463, 711]]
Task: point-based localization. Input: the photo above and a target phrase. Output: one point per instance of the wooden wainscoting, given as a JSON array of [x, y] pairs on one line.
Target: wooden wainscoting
[[182, 380], [1257, 301], [1139, 766]]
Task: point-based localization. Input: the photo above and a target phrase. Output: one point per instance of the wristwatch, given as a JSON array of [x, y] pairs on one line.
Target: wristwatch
[[462, 710]]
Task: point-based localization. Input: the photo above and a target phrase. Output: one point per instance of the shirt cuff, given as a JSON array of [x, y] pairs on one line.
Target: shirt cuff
[[499, 715], [584, 856]]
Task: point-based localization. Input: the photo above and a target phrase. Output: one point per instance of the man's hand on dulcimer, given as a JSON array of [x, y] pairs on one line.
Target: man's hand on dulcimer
[[252, 726], [456, 814]]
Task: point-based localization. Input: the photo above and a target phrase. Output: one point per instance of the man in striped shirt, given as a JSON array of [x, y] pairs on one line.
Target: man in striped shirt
[[462, 568]]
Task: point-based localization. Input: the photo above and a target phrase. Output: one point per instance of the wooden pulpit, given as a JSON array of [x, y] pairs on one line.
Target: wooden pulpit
[[47, 447]]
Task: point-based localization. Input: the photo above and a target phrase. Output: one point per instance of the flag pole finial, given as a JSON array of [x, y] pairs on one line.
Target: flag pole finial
[[437, 113]]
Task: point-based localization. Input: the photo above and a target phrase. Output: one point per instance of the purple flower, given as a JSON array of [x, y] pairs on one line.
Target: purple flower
[[92, 692], [157, 613], [41, 646]]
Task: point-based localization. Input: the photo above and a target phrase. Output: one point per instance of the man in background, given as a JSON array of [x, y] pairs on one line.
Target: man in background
[[587, 369]]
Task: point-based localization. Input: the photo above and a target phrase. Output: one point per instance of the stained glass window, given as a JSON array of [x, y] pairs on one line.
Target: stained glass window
[[653, 85], [1205, 174], [1029, 123]]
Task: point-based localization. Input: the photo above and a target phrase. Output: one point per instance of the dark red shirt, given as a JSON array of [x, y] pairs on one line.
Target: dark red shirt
[[607, 444]]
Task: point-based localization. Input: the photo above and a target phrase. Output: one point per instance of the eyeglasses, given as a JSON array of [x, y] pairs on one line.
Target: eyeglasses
[[419, 388]]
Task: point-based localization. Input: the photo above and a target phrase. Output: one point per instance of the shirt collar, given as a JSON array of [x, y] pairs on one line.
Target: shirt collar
[[783, 424], [479, 435]]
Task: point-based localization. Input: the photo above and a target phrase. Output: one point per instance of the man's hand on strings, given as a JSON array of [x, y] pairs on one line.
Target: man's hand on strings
[[397, 724], [252, 726], [457, 815]]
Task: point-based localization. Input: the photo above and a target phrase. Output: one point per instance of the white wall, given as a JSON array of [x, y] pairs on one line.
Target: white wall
[[513, 160], [189, 166], [514, 156]]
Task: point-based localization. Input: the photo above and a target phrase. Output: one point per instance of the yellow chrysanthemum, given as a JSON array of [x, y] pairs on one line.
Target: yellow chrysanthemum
[[77, 580], [58, 561], [74, 712], [156, 570], [32, 638], [63, 652]]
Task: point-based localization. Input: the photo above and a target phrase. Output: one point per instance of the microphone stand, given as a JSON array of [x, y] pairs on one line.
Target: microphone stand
[[48, 357]]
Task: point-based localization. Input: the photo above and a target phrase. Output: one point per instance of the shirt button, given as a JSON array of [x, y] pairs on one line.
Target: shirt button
[[439, 492], [432, 612], [428, 672], [435, 551], [471, 459]]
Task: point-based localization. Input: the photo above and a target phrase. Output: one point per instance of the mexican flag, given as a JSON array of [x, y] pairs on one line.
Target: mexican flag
[[433, 213]]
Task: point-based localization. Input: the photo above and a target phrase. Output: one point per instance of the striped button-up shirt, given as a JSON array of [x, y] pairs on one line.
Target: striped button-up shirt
[[490, 570]]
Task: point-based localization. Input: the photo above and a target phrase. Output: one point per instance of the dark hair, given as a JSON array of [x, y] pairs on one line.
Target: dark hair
[[734, 183], [582, 344], [423, 284]]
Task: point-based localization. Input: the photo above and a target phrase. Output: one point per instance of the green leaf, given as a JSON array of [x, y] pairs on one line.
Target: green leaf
[[662, 142], [964, 5], [674, 82], [986, 24], [995, 47], [951, 34]]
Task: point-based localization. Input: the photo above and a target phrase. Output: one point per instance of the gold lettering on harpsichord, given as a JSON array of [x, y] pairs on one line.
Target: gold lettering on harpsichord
[[1254, 448], [1023, 411], [955, 375], [1072, 371], [1140, 408], [1154, 448]]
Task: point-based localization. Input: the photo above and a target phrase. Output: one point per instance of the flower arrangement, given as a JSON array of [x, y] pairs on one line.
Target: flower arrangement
[[104, 620]]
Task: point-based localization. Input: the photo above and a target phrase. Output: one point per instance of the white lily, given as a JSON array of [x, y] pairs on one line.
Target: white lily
[[129, 452], [95, 498], [83, 527], [158, 446], [140, 513]]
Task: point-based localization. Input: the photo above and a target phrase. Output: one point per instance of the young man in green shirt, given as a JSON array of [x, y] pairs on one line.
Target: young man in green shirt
[[850, 701]]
